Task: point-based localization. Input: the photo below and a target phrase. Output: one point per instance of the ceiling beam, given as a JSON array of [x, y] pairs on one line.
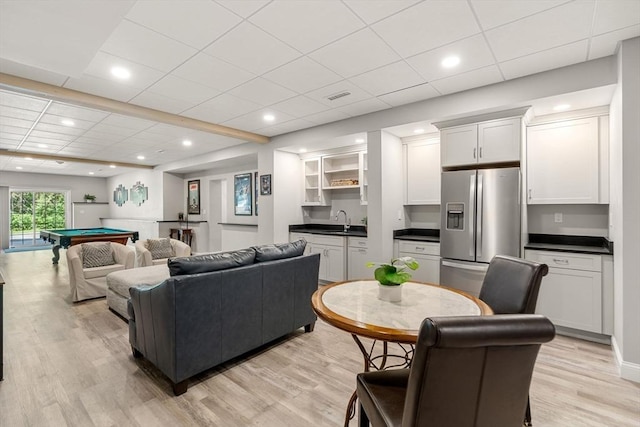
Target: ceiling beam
[[35, 88], [40, 156]]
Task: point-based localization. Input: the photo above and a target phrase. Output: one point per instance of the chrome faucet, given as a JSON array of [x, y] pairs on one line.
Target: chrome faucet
[[347, 221]]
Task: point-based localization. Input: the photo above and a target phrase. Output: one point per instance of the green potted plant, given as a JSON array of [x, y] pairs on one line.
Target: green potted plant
[[391, 276], [89, 198]]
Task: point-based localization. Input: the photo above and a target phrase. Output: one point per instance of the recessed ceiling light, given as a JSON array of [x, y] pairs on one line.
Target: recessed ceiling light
[[269, 117], [18, 167], [91, 173], [418, 131], [42, 145], [302, 150], [562, 107], [360, 140], [68, 122], [450, 61], [112, 166], [140, 157], [120, 72], [186, 143]]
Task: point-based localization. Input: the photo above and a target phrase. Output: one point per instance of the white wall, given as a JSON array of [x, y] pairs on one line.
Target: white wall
[[174, 198], [286, 196], [625, 208]]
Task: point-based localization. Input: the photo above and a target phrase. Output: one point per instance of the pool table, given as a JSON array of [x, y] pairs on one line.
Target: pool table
[[74, 236]]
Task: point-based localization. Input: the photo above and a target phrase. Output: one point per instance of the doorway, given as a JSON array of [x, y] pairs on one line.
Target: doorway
[[32, 211]]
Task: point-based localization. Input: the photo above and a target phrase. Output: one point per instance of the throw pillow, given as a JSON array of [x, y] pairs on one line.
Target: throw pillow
[[211, 262], [160, 248], [97, 254], [280, 251]]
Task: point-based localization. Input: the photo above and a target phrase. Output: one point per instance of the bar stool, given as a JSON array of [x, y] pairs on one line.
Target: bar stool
[[174, 233], [186, 235]]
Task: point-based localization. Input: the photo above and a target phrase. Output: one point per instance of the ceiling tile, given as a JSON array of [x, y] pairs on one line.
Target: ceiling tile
[[221, 108], [545, 60], [427, 25], [101, 87], [364, 107], [493, 13], [75, 112], [206, 20], [606, 44], [160, 102], [50, 137], [127, 122], [25, 102], [302, 75], [353, 54], [556, 27], [6, 129], [15, 122], [473, 52], [355, 94], [300, 106], [469, 80], [141, 76], [59, 129], [15, 69], [254, 120], [244, 8], [327, 117], [290, 126], [262, 92], [183, 90], [46, 141], [144, 46], [252, 49], [307, 25], [389, 78], [614, 15], [212, 72], [57, 120], [17, 113], [371, 11]]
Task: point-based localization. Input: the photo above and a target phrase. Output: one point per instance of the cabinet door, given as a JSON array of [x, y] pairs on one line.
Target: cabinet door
[[572, 298], [562, 162], [499, 141], [422, 173], [459, 145], [319, 249], [312, 182], [335, 263], [429, 270], [358, 258]]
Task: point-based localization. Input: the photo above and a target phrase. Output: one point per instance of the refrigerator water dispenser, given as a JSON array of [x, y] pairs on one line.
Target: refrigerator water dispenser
[[455, 216]]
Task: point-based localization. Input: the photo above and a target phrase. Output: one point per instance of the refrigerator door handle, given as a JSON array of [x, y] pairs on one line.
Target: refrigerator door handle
[[472, 203], [481, 267], [479, 217]]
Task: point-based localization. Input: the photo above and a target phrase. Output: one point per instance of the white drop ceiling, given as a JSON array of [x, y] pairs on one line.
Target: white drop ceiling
[[229, 62]]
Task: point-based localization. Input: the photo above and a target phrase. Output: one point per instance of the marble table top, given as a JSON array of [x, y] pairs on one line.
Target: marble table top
[[354, 306]]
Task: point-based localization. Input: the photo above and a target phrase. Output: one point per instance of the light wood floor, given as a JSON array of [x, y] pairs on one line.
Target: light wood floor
[[70, 364]]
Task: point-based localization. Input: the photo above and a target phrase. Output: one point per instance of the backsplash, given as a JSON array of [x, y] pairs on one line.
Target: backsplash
[[577, 220]]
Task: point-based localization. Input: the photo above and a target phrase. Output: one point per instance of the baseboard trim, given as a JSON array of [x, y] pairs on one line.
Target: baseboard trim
[[628, 371]]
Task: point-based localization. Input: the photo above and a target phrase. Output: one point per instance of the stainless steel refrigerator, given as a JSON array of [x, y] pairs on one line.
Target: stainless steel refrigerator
[[480, 218]]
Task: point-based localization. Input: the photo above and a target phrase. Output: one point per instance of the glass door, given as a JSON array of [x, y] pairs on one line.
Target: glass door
[[32, 211]]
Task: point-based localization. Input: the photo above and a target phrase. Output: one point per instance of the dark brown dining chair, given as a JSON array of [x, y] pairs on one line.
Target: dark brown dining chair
[[511, 286], [471, 371]]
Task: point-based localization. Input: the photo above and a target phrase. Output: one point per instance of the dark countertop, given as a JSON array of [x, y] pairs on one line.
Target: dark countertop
[[329, 230], [418, 234], [576, 244]]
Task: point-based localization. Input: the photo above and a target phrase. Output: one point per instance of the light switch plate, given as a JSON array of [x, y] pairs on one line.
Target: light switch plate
[[558, 217]]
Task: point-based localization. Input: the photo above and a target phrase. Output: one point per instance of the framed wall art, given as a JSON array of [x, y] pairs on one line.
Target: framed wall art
[[265, 185], [242, 200], [193, 197], [255, 193]]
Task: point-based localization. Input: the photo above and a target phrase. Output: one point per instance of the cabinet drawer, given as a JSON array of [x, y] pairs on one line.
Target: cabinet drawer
[[328, 240], [566, 260], [297, 236], [420, 248], [357, 242]]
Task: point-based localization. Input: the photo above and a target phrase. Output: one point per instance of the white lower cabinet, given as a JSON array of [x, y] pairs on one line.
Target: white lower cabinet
[[572, 294], [332, 250], [357, 257], [427, 254]]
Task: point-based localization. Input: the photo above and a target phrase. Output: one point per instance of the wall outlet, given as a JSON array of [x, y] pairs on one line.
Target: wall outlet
[[557, 217]]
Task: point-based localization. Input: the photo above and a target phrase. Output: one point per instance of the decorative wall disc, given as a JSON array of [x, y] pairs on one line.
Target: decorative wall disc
[[139, 193], [120, 195]]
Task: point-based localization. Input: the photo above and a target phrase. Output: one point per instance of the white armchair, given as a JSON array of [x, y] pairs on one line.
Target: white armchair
[[91, 282], [144, 257]]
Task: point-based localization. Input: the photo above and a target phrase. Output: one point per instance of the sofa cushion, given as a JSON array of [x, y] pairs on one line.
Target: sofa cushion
[[97, 254], [211, 262], [280, 251], [160, 248]]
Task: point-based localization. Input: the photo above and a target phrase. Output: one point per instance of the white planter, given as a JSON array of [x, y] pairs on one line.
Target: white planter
[[390, 293]]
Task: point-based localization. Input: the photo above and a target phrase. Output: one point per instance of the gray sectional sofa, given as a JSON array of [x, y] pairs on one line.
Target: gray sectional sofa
[[218, 306]]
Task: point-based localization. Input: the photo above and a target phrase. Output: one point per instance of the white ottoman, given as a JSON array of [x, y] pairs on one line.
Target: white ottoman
[[119, 282]]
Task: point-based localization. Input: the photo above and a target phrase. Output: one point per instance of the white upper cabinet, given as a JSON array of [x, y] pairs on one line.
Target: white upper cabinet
[[312, 179], [422, 171], [494, 141], [565, 164]]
